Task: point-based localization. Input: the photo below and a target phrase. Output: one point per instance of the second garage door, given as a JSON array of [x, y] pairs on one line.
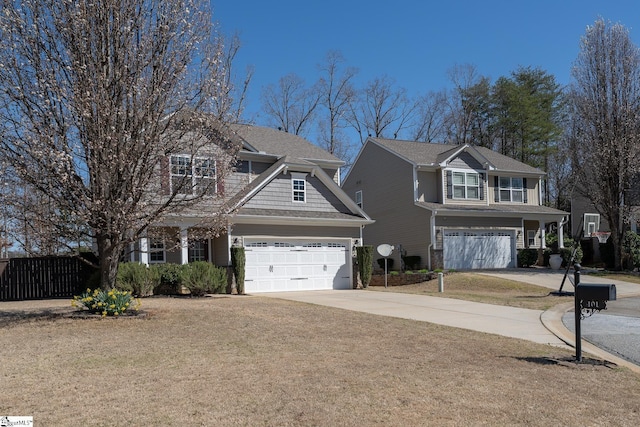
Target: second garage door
[[478, 249], [295, 265]]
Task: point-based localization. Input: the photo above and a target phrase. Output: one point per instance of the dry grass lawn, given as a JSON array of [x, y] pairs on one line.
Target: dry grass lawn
[[252, 361], [486, 289]]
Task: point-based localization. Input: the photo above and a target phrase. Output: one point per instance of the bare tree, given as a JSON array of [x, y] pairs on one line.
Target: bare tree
[[382, 110], [430, 122], [229, 102], [336, 96], [467, 106], [605, 100], [95, 95], [290, 105]]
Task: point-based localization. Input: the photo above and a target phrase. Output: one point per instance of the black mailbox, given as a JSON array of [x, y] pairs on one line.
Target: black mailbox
[[590, 292]]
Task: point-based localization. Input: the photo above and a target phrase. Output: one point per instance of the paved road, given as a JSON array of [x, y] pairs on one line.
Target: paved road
[[615, 330]]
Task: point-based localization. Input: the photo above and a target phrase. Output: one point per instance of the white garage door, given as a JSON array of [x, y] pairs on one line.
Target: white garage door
[[295, 265], [474, 249]]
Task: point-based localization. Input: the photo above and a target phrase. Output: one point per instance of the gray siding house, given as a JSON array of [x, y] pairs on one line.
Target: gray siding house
[[454, 206], [286, 208]]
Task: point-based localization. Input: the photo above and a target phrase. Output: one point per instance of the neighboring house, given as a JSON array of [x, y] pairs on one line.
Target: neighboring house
[[592, 223], [297, 225], [455, 206]]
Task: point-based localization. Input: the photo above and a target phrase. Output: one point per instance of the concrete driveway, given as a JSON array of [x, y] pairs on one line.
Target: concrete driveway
[[533, 325]]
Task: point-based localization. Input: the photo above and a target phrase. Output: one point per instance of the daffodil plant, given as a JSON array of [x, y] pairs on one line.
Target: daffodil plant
[[107, 303]]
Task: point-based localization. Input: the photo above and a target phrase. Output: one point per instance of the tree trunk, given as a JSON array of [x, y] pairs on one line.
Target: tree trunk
[[108, 254]]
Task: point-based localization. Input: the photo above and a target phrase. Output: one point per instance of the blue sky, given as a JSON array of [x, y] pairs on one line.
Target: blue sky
[[414, 42]]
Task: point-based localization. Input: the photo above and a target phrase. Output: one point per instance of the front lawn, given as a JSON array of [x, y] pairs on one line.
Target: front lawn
[[486, 289], [250, 360]]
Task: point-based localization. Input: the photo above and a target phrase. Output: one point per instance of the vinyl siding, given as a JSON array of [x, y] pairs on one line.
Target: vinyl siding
[[277, 194], [428, 186], [386, 182]]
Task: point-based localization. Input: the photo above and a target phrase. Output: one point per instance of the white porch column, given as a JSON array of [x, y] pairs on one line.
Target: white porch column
[[144, 250], [543, 243], [560, 233], [184, 245]]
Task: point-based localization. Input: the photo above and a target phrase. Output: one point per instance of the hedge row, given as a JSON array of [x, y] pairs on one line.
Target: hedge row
[[198, 277]]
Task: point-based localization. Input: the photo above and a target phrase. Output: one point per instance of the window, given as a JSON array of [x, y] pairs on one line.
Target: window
[[243, 166], [156, 251], [531, 238], [591, 224], [198, 251], [466, 185], [359, 198], [192, 174], [512, 190], [298, 185]]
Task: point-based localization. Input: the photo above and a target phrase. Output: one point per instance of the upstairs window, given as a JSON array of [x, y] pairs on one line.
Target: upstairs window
[[190, 175], [299, 188], [359, 198], [511, 189], [466, 185]]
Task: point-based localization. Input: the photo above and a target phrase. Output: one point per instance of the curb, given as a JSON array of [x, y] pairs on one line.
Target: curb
[[552, 320]]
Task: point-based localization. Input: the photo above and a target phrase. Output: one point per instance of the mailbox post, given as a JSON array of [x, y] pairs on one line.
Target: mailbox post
[[588, 298]]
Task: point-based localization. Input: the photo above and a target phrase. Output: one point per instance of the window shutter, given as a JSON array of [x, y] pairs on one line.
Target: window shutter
[[481, 176], [524, 189], [449, 185], [496, 188], [165, 187]]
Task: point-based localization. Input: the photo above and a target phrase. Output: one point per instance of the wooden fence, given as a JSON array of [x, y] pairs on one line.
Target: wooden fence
[[42, 277]]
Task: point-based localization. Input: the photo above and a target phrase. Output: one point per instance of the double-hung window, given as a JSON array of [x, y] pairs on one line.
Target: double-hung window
[[156, 251], [511, 189], [191, 175], [466, 185], [359, 198], [299, 188]]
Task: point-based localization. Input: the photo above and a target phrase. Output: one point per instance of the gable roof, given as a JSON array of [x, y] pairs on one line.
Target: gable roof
[[429, 154], [293, 164], [259, 139]]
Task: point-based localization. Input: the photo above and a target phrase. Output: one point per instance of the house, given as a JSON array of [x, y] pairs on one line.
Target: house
[[591, 223], [454, 206], [286, 208]]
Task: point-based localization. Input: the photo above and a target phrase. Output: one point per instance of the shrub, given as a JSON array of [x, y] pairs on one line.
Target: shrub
[[566, 252], [106, 303], [411, 262], [238, 260], [137, 278], [527, 257], [365, 263], [202, 277], [168, 278], [380, 262], [631, 247]]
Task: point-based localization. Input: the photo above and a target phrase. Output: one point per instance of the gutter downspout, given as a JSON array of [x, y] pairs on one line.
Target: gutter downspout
[[432, 232]]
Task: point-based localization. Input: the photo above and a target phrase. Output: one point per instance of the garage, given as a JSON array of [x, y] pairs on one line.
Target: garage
[[478, 249], [276, 265]]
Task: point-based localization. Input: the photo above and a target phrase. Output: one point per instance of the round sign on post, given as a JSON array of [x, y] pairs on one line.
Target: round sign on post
[[385, 250]]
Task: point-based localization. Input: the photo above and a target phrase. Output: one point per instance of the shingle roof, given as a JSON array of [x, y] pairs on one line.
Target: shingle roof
[[424, 153], [278, 143]]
